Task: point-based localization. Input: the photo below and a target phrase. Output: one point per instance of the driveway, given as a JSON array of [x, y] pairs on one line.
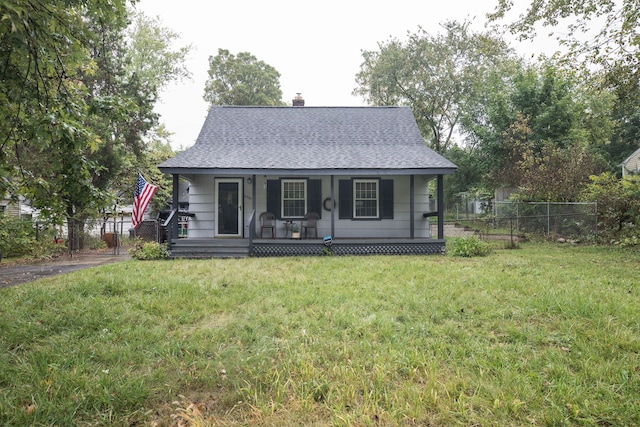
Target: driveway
[[17, 272]]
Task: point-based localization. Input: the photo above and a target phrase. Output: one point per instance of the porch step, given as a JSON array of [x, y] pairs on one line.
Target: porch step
[[209, 248]]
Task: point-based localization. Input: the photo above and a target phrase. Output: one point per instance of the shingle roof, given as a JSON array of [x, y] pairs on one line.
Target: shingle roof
[[308, 138]]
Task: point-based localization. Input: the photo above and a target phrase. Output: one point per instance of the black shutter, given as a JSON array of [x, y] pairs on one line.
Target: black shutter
[[345, 199], [273, 197], [386, 199], [314, 196]]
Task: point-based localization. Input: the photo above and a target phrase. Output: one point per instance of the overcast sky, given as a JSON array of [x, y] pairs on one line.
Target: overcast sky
[[315, 46]]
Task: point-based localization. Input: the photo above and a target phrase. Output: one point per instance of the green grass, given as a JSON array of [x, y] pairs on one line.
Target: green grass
[[544, 335]]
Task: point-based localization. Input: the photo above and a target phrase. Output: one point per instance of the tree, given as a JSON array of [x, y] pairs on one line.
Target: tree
[[530, 109], [508, 155], [551, 172], [75, 111], [441, 77], [626, 134], [144, 60], [241, 80], [157, 150], [602, 36], [545, 97], [615, 47], [150, 55], [469, 176], [43, 132], [558, 174]]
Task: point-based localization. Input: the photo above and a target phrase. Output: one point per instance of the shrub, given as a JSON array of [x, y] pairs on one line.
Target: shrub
[[47, 249], [94, 242], [16, 236], [19, 237], [149, 251], [469, 247], [618, 206], [628, 237]]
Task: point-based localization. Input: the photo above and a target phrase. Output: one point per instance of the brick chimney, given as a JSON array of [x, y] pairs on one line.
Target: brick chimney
[[298, 101]]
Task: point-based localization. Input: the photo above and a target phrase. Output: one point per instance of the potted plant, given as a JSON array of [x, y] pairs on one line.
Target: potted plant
[[295, 231]]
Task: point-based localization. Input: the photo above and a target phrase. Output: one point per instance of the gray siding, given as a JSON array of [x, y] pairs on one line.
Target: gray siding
[[203, 225]]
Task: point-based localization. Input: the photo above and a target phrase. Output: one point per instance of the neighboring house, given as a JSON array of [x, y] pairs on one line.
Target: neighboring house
[[631, 165], [19, 208], [8, 207], [363, 170]]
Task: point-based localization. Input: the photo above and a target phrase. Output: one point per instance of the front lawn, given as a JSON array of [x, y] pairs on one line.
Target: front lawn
[[544, 335]]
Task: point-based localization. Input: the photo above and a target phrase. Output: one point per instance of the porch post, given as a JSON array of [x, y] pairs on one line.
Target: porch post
[[412, 203], [252, 231], [333, 207], [440, 207], [173, 228]]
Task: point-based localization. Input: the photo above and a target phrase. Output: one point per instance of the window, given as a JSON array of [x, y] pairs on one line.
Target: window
[[365, 192], [290, 198], [365, 199], [294, 198]]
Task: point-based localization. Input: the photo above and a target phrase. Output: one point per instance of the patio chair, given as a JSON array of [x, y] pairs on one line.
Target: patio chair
[[309, 222], [267, 221]]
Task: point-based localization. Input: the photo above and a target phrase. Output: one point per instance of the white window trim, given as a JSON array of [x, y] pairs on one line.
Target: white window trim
[[358, 181], [306, 195]]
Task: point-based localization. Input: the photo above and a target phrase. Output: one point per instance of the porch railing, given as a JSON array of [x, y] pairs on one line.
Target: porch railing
[[168, 225]]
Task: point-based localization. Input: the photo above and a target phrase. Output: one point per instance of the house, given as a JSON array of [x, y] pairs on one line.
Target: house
[[18, 208], [363, 170], [631, 165]]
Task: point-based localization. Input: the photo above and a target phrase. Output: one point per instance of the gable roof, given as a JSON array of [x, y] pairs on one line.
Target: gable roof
[[313, 140]]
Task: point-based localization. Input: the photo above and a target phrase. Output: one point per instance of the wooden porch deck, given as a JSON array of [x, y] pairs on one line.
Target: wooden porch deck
[[203, 248]]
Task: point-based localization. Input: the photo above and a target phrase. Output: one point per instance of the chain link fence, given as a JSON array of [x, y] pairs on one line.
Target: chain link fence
[[19, 236], [571, 220], [80, 235], [150, 231]]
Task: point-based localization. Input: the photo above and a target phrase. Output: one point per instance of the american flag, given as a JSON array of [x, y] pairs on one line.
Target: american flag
[[141, 198]]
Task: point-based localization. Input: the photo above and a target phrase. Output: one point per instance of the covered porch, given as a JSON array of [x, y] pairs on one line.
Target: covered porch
[[412, 224]]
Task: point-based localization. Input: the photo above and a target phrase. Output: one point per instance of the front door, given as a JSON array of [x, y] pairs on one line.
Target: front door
[[229, 207]]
